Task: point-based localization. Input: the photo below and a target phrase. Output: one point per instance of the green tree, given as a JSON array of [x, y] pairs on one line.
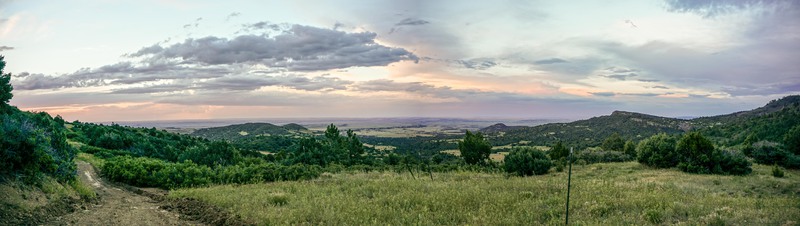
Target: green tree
[[630, 149], [332, 133], [5, 87], [558, 151], [613, 143], [474, 148], [526, 162], [792, 140], [355, 149], [658, 151]]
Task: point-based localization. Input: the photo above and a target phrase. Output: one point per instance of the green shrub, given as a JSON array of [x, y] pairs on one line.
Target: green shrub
[[735, 163], [526, 162], [475, 149], [630, 149], [657, 151], [777, 171], [602, 156], [558, 151], [792, 140], [697, 154], [33, 145], [139, 171], [653, 216], [768, 153]]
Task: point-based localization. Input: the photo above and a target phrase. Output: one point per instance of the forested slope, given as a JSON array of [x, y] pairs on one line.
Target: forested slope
[[770, 122]]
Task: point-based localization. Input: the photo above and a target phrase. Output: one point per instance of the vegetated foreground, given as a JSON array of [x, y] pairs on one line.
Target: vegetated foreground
[[602, 194], [117, 206]]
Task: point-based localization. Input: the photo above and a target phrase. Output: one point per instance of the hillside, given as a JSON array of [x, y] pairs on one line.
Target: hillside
[[770, 122], [765, 123], [248, 130], [589, 132]]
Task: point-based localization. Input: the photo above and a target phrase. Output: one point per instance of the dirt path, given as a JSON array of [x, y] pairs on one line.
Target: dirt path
[[117, 206]]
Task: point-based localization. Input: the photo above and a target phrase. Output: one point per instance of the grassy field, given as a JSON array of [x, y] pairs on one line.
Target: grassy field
[[602, 194]]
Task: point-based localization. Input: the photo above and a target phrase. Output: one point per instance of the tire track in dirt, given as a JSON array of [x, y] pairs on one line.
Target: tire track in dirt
[[118, 206]]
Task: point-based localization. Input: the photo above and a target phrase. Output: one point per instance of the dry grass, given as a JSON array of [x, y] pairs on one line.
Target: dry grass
[[602, 194]]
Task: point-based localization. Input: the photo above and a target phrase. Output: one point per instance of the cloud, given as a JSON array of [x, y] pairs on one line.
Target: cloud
[[119, 73], [407, 22], [163, 88], [241, 64], [712, 8], [619, 73], [444, 92], [550, 61], [392, 86], [411, 22], [265, 26], [232, 15], [195, 24], [792, 87], [301, 48], [759, 63], [246, 82], [621, 77], [478, 63], [604, 94], [5, 48]]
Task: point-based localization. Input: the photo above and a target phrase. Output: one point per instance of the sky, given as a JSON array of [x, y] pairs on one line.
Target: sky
[[135, 60]]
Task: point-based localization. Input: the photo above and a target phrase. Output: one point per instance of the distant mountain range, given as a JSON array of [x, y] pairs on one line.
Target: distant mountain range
[[769, 122]]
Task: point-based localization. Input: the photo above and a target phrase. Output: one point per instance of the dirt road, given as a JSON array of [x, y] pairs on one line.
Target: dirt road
[[117, 206]]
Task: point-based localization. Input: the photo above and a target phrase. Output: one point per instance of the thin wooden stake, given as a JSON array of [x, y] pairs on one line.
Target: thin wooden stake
[[569, 181]]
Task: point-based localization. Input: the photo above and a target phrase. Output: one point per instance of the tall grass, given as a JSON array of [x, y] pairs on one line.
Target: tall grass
[[612, 193]]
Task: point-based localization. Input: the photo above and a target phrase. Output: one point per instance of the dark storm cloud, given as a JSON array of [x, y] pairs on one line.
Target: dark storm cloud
[[550, 61], [302, 48], [4, 48]]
